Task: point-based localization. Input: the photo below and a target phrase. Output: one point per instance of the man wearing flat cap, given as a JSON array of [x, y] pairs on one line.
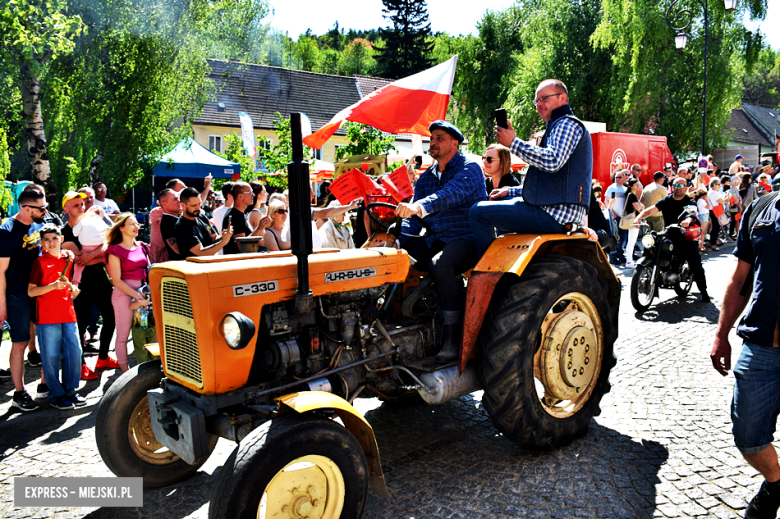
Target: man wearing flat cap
[[557, 186], [443, 195]]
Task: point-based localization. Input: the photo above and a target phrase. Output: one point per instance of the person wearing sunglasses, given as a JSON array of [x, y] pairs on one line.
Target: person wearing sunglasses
[[497, 165], [20, 246], [673, 209], [558, 183]]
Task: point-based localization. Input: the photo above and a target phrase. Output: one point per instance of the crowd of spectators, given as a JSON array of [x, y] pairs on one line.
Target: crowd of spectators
[[721, 197]]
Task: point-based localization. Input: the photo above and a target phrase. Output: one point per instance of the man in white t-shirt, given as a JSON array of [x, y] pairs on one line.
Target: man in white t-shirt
[[615, 198], [108, 205]]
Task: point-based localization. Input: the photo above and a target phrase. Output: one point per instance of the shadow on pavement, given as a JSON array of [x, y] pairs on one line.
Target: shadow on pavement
[[671, 309], [449, 459]]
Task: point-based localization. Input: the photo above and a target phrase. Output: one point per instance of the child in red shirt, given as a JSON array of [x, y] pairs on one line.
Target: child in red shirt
[[57, 330]]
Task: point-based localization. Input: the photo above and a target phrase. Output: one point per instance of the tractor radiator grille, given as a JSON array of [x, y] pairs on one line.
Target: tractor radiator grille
[[180, 346]]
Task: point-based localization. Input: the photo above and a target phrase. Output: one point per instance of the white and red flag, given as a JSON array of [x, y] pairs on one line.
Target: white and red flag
[[408, 105]]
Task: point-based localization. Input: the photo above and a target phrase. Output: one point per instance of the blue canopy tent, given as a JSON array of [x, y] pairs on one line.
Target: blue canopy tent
[[191, 160]]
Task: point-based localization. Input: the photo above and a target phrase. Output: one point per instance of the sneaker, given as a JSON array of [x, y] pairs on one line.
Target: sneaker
[[23, 402], [705, 297], [630, 265], [765, 504], [5, 374], [42, 391], [33, 359], [77, 400], [87, 374], [62, 403], [107, 363]]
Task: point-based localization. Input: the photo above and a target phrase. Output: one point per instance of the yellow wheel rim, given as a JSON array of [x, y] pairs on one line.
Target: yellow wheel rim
[[310, 487], [567, 363], [142, 440]]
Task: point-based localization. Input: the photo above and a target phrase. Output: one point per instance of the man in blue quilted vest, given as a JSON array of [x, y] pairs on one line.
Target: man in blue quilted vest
[[443, 195], [557, 186]]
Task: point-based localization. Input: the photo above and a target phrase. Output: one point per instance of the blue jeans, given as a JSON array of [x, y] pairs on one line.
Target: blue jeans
[[756, 402], [512, 215], [60, 342], [619, 255]]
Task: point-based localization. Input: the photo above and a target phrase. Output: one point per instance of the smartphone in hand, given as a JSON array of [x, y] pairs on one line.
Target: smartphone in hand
[[500, 115]]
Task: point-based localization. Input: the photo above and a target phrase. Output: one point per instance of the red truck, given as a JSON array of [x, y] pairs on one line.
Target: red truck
[[610, 149]]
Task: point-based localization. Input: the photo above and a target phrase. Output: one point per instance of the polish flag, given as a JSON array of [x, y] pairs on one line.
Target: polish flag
[[408, 105]]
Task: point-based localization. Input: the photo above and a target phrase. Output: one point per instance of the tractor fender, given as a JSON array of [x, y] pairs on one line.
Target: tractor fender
[[510, 255], [306, 401]]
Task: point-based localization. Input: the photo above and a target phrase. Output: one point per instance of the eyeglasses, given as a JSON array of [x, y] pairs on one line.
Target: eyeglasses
[[544, 99], [38, 207], [489, 160], [618, 176], [281, 211], [677, 186]]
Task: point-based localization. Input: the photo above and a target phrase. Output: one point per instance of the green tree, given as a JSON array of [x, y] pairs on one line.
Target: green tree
[[131, 87], [762, 86], [33, 33], [366, 140], [655, 88], [358, 58], [5, 168], [407, 45], [307, 54], [485, 71]]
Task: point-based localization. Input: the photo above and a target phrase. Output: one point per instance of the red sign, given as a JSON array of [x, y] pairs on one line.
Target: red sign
[[397, 184], [353, 185]]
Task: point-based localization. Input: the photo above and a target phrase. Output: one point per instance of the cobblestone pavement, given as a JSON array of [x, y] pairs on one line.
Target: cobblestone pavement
[[661, 447]]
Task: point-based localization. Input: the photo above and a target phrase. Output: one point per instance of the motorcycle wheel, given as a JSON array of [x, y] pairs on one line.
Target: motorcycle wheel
[[642, 288], [683, 286]]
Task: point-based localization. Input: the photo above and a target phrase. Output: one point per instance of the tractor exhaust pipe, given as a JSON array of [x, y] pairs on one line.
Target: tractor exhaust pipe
[[300, 216]]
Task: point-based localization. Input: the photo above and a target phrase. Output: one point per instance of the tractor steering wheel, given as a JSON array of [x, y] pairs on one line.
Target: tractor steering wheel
[[426, 226]]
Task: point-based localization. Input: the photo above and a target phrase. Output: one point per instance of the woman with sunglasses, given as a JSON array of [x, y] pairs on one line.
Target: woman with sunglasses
[[277, 236], [497, 164]]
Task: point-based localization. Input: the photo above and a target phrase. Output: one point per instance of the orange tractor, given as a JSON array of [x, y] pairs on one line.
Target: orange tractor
[[270, 349]]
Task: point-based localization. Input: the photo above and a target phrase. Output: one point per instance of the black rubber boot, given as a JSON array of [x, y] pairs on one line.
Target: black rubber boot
[[452, 339]]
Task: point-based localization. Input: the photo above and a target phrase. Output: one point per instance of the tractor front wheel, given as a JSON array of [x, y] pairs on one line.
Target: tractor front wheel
[[293, 466]]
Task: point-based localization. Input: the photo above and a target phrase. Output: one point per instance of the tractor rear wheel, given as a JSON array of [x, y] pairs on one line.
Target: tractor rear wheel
[[547, 352]]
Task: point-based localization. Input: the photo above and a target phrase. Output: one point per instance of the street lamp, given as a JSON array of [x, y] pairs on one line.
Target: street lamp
[[681, 39]]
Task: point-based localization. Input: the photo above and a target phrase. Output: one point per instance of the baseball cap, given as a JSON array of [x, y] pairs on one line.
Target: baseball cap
[[738, 157], [70, 195], [658, 175], [447, 127]]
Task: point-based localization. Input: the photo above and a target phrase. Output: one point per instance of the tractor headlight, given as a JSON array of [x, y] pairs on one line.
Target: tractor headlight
[[648, 241], [237, 329]]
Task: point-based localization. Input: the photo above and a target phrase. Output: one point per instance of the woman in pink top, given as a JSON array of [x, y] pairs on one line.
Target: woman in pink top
[[127, 264]]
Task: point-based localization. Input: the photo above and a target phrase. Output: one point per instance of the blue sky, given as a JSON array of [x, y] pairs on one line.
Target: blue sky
[[295, 16]]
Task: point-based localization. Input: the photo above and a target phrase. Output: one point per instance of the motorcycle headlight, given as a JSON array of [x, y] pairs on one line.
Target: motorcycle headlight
[[237, 329], [648, 241]]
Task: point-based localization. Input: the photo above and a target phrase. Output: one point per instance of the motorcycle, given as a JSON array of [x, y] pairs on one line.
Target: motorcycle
[[660, 267]]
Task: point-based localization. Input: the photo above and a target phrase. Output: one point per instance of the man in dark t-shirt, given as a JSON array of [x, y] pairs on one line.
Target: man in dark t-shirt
[[242, 199], [171, 208], [673, 208], [195, 236], [19, 248]]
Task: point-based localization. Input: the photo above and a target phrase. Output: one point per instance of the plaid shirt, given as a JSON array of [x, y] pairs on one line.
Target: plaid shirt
[[461, 185], [560, 145]]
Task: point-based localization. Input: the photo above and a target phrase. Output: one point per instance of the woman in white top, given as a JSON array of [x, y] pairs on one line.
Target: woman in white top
[[703, 208], [715, 198], [259, 208]]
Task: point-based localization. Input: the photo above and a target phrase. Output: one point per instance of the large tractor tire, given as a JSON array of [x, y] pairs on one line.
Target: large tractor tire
[[293, 466], [547, 352], [124, 433]]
